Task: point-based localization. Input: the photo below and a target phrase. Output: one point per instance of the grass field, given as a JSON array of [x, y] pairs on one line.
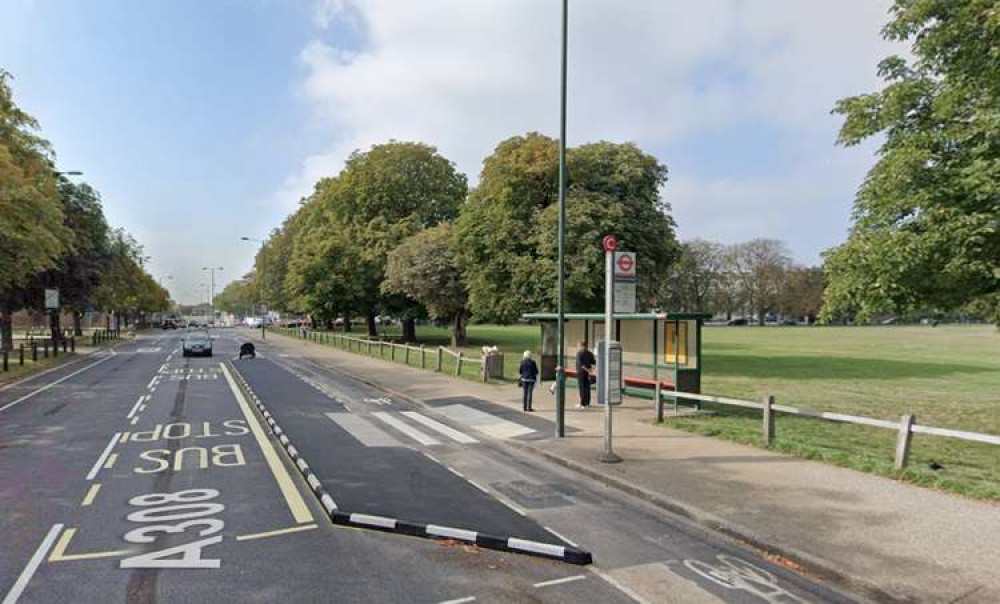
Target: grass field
[[948, 376]]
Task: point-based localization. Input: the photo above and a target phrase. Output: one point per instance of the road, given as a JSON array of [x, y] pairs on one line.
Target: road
[[139, 475]]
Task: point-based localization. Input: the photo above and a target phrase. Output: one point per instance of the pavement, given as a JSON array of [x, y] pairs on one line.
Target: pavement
[[880, 539]]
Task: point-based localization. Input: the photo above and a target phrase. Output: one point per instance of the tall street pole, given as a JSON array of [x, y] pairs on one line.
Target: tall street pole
[[560, 327], [211, 299], [260, 288]]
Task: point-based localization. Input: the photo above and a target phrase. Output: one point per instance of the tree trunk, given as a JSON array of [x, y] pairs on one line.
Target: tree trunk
[[409, 330], [458, 329], [372, 327], [760, 317], [77, 319], [6, 330], [54, 326], [347, 325]]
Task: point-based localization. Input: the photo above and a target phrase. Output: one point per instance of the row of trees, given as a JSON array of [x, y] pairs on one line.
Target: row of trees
[[53, 234], [398, 232], [756, 278]]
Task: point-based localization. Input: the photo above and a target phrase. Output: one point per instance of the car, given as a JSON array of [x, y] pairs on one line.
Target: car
[[197, 343], [168, 324], [736, 322]]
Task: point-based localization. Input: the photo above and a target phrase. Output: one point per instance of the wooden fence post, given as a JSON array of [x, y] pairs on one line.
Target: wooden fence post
[[392, 351], [423, 356], [34, 351], [5, 366], [458, 365], [20, 353], [45, 349], [768, 421], [438, 367], [406, 354], [903, 440]]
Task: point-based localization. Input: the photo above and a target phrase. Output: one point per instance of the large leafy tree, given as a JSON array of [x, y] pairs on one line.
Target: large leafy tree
[[927, 218], [32, 234], [382, 196], [424, 268], [507, 233], [695, 280]]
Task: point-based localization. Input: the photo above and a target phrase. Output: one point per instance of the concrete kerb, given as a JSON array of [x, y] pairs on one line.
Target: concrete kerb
[[563, 553], [816, 567]]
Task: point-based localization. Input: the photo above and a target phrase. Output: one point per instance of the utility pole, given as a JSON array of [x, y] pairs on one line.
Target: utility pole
[[260, 289], [211, 299], [560, 327]]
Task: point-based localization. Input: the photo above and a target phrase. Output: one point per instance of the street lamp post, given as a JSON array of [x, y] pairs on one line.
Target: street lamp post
[[260, 290], [560, 327], [211, 299]]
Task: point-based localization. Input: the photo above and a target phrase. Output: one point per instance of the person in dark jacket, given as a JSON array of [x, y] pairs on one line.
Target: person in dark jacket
[[528, 375], [586, 374]]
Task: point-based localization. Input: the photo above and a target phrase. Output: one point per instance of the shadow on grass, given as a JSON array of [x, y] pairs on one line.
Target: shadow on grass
[[837, 368]]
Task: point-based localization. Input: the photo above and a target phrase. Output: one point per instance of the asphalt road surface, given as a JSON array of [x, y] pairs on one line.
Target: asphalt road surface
[[138, 475]]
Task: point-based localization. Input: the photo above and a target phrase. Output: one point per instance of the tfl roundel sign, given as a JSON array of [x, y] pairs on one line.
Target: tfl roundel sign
[[625, 265], [610, 243]]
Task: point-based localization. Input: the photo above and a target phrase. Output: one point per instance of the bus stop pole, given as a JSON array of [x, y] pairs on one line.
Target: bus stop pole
[[560, 322], [608, 455]]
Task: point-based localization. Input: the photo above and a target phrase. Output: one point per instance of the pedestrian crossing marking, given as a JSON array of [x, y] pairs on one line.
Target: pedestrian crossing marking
[[364, 431], [406, 429], [486, 423], [440, 428]]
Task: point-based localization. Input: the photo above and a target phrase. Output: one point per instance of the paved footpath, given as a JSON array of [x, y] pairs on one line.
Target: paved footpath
[[883, 539]]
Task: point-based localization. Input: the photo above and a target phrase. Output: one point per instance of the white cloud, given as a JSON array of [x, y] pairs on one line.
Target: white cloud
[[464, 75]]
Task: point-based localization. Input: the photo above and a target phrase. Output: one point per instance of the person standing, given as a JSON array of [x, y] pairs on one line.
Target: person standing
[[585, 372], [528, 374]]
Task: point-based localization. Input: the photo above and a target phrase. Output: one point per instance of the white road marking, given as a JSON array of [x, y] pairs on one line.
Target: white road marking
[[437, 426], [51, 384], [459, 600], [100, 460], [364, 431], [561, 537], [617, 585], [29, 570], [135, 407], [413, 433], [486, 423], [560, 581]]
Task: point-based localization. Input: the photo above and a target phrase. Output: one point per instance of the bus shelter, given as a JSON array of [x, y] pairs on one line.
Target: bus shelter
[[657, 348]]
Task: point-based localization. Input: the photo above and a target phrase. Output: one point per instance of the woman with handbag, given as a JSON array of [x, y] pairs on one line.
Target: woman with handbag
[[528, 374]]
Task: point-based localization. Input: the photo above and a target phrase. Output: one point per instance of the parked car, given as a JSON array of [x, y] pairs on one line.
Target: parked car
[[736, 322], [197, 343], [168, 324]]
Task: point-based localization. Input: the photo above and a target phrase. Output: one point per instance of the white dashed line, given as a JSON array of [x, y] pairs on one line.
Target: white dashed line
[[100, 460], [560, 581]]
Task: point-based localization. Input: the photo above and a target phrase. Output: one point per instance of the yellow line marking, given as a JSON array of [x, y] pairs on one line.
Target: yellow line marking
[[294, 529], [110, 463], [91, 494], [124, 438], [59, 552], [135, 420], [293, 498]]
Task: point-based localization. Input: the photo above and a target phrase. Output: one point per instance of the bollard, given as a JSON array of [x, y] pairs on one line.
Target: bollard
[[423, 356], [65, 344], [72, 344], [438, 367], [45, 349], [20, 353], [5, 366], [93, 339], [34, 351], [658, 405], [392, 351], [458, 365], [406, 354], [768, 421], [903, 440], [55, 348]]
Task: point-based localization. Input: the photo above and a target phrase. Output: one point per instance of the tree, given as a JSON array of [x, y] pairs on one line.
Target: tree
[[694, 282], [926, 218], [802, 293], [507, 232], [32, 235], [759, 266], [237, 297], [424, 268], [381, 197]]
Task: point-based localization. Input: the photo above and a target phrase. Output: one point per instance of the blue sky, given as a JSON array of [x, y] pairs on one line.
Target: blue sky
[[203, 121]]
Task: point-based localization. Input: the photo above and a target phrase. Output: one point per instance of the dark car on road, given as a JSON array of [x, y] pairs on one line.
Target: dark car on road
[[197, 344], [736, 322]]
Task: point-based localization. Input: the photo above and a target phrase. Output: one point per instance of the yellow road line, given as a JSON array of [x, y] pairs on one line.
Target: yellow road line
[[294, 529], [59, 552], [91, 494], [124, 438], [110, 463], [297, 505]]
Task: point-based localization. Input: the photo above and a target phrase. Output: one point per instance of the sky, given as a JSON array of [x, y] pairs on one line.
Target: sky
[[204, 121]]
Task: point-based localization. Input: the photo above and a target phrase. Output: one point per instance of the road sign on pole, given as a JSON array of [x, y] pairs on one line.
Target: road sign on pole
[[610, 245], [51, 299], [624, 283]]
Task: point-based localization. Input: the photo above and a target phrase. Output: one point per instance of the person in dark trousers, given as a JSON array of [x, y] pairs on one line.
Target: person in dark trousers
[[528, 372], [585, 373]]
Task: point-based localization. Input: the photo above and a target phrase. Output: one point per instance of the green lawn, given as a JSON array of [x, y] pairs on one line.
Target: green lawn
[[949, 376]]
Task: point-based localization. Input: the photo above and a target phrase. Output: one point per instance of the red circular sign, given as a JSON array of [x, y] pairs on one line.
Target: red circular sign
[[610, 243], [625, 263]]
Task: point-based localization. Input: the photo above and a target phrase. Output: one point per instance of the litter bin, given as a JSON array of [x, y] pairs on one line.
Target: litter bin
[[492, 365]]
